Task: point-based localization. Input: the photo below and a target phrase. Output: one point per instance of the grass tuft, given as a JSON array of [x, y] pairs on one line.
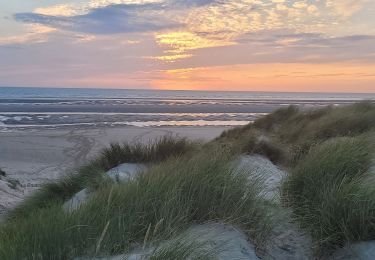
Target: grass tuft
[[253, 144], [153, 152], [328, 194], [272, 121]]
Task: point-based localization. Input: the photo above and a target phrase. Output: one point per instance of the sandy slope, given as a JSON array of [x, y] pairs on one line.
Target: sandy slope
[[9, 197]]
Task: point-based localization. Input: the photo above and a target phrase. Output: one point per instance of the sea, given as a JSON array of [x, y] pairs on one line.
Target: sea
[[35, 108]]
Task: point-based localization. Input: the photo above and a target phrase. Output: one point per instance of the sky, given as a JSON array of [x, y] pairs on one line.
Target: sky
[[251, 45]]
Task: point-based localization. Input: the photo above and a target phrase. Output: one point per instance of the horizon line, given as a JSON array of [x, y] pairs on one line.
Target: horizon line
[[186, 90]]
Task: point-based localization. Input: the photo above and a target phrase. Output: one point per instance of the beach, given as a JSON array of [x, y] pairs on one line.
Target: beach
[[46, 134]]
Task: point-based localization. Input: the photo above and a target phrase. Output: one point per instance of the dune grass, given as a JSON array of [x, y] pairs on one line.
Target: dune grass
[[156, 206], [89, 175], [273, 121], [330, 194], [153, 152], [251, 141], [258, 144], [304, 130], [329, 152], [330, 122], [293, 132]]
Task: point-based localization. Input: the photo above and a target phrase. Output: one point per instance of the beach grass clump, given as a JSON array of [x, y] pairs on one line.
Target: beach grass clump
[[322, 124], [273, 121], [235, 133], [292, 125], [157, 205], [153, 152], [314, 127], [258, 144], [329, 192], [91, 174], [252, 141], [299, 130]]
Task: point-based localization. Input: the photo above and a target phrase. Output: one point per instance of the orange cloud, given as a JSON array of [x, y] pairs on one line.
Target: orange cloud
[[180, 42], [273, 77]]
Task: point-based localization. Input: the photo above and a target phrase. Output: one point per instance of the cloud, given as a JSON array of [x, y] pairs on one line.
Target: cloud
[[213, 20], [305, 40], [179, 43], [112, 19], [346, 8], [35, 34], [191, 3], [110, 16], [300, 5], [60, 10], [182, 28]]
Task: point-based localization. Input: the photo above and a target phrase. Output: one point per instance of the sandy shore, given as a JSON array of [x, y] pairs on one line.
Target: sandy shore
[[39, 156]]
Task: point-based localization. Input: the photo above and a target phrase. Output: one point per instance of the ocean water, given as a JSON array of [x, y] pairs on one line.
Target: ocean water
[[32, 108]]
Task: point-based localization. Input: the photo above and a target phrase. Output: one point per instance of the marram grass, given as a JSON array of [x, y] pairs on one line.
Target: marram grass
[[89, 175], [158, 205], [332, 191]]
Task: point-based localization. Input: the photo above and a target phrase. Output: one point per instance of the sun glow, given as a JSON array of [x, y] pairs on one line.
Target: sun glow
[[271, 77]]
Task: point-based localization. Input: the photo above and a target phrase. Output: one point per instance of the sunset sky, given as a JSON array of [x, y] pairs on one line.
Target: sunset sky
[[255, 45]]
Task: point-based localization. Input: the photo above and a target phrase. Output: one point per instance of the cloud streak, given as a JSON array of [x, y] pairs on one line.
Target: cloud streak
[[123, 18], [111, 17]]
